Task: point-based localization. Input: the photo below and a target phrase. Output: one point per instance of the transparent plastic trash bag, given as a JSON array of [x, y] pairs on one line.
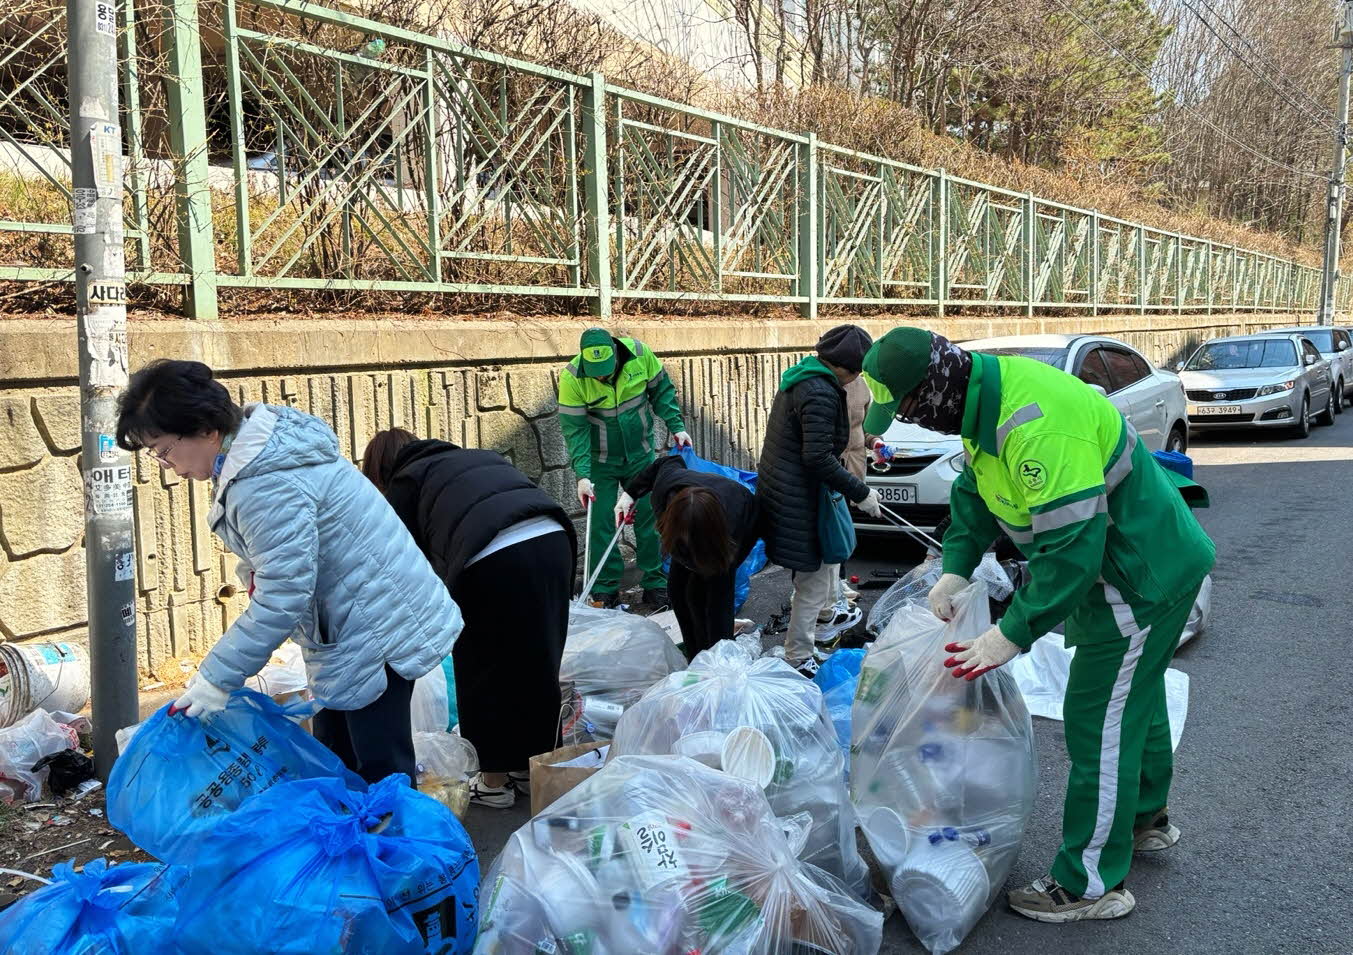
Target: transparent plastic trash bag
[[23, 745], [610, 659], [756, 717], [916, 584], [943, 770], [447, 762], [662, 854], [101, 910], [311, 866]]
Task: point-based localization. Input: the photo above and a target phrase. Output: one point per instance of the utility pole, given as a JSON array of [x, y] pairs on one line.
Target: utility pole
[[101, 331], [1329, 285]]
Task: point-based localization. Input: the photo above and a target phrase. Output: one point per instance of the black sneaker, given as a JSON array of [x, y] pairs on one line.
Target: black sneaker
[[656, 597], [604, 601]]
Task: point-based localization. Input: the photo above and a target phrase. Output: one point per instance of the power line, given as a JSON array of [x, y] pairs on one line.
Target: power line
[[1193, 109], [1271, 76]]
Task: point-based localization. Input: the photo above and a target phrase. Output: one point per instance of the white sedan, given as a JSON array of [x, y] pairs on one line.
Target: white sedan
[[915, 482]]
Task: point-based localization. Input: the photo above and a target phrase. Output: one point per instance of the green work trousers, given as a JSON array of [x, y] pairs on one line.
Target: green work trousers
[[1117, 737], [607, 480]]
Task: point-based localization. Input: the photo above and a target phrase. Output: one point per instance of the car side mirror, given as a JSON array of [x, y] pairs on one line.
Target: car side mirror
[[1310, 360], [1342, 346], [1100, 389], [1179, 366]]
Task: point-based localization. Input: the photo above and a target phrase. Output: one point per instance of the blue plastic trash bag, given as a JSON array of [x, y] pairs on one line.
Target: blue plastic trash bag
[[756, 559], [837, 678], [104, 910], [312, 867], [181, 776]]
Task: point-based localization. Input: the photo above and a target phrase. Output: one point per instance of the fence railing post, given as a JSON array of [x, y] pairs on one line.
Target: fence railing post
[[594, 185], [809, 225], [1141, 270], [1094, 262], [941, 278], [1030, 239], [187, 122]]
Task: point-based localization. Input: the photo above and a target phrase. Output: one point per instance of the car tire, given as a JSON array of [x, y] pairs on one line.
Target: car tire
[[1342, 392], [1303, 427], [1338, 396], [1178, 439], [1326, 417]]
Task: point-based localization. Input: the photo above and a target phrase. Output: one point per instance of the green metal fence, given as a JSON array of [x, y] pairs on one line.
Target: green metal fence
[[308, 148]]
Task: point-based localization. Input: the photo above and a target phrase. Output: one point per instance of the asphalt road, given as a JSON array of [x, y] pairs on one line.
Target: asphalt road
[[1263, 785]]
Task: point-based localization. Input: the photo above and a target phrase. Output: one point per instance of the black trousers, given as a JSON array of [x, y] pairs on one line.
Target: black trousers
[[515, 605], [376, 740], [704, 605]]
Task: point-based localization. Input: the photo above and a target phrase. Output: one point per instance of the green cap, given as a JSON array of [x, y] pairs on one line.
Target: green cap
[[597, 353], [893, 367]]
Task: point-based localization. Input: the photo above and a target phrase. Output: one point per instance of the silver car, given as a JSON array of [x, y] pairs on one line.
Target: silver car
[[1335, 344], [1271, 380]]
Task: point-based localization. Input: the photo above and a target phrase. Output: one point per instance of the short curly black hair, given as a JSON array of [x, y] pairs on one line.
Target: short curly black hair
[[170, 396]]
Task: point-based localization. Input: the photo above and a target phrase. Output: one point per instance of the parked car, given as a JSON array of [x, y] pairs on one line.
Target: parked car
[[1334, 343], [915, 482], [1270, 380]]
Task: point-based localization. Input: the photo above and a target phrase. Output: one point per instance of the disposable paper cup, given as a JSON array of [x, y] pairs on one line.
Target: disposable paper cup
[[747, 754], [888, 836], [943, 885], [706, 746]]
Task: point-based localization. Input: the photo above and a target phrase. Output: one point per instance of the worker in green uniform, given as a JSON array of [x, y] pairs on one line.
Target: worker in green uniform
[[1113, 550], [609, 397]]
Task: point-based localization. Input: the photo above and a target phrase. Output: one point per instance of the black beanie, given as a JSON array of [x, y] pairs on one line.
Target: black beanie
[[845, 346]]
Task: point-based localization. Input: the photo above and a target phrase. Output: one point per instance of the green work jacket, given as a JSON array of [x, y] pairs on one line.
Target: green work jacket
[[1053, 464], [611, 421]]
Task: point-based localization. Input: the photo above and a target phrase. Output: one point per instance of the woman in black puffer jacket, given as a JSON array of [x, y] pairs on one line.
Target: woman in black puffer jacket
[[506, 551], [806, 435]]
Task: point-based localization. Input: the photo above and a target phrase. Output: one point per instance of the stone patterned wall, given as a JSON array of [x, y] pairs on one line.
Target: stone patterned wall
[[186, 587]]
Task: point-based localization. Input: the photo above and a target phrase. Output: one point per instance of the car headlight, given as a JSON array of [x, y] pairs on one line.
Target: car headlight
[[955, 462], [1278, 388]]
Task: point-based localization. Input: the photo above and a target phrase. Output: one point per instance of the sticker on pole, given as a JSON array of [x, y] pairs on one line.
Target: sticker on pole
[[105, 18], [106, 340], [122, 566], [108, 492], [105, 143], [85, 201]]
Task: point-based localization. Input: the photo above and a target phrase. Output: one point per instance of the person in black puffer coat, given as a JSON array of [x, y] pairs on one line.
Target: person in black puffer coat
[[806, 435], [506, 551]]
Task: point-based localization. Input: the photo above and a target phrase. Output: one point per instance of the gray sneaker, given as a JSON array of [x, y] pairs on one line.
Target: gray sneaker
[[1046, 901], [1156, 835]]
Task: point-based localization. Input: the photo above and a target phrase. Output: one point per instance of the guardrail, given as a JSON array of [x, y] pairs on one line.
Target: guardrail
[[309, 148]]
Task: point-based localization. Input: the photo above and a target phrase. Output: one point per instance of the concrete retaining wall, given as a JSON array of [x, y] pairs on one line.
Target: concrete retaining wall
[[484, 384]]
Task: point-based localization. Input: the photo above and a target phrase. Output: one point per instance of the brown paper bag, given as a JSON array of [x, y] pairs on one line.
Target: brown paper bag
[[549, 780]]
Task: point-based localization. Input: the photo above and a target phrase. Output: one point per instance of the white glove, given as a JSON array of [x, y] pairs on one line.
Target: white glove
[[202, 698], [682, 439], [586, 492], [943, 593], [624, 509], [970, 660], [871, 505]]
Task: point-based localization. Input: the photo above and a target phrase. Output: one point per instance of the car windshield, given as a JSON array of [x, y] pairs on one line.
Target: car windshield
[[1056, 357], [1255, 353]]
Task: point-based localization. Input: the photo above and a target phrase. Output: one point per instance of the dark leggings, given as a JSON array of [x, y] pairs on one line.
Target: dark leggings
[[704, 605], [376, 740]]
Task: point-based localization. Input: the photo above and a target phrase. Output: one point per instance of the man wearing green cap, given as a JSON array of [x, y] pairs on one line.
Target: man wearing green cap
[[1113, 551], [609, 396]]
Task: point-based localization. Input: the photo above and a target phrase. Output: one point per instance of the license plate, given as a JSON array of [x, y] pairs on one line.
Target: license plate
[[1216, 409], [897, 493]]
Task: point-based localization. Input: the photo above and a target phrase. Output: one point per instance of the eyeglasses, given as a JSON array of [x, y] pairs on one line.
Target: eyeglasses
[[162, 455]]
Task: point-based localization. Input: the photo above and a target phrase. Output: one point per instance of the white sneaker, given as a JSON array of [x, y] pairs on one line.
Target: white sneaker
[[843, 618], [848, 594], [491, 797], [521, 782]]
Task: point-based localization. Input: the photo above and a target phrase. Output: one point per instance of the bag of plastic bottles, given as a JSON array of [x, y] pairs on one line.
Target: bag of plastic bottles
[[837, 678], [664, 854], [916, 584], [102, 910], [447, 763], [943, 770], [760, 719], [610, 659], [311, 866], [180, 776]]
